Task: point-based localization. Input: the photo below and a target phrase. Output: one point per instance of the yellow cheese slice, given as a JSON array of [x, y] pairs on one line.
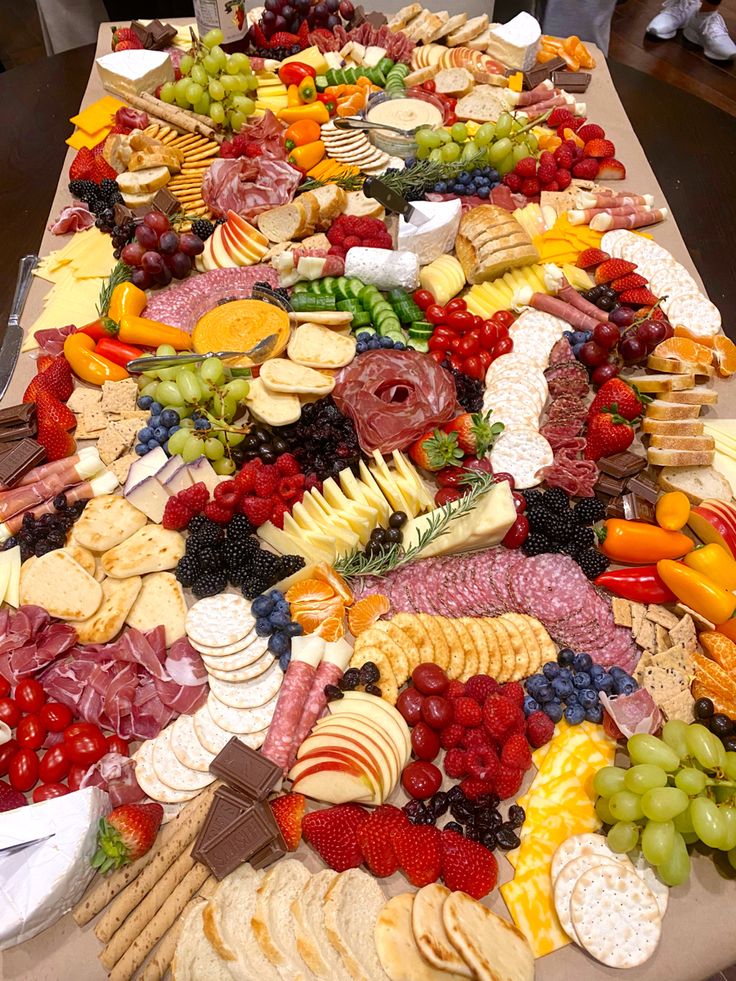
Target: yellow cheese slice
[[98, 114], [80, 138], [532, 908]]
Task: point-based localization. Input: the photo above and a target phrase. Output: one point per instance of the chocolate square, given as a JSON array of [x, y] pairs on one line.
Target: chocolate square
[[247, 836], [622, 465], [248, 771], [18, 459]]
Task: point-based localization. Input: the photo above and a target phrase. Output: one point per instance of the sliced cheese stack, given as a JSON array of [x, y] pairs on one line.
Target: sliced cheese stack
[[485, 299], [94, 123], [271, 93]]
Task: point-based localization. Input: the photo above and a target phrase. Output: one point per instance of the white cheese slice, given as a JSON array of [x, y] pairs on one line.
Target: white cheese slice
[[150, 497], [515, 43], [133, 72], [149, 464], [434, 237]]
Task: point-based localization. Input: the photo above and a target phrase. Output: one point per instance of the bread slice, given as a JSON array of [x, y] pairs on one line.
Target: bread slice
[[195, 957], [419, 76], [672, 427], [138, 200], [678, 367], [484, 104], [417, 26], [284, 223], [453, 24], [312, 941], [331, 202], [317, 241], [397, 946], [351, 906], [400, 19], [661, 442], [143, 181], [652, 384], [470, 29], [699, 395], [453, 81], [698, 483], [430, 933], [480, 42], [435, 26], [361, 206], [117, 151], [494, 948], [309, 202], [272, 922], [671, 410], [680, 458], [164, 157]]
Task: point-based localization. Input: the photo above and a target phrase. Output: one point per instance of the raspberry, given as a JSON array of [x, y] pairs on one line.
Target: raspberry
[[480, 686], [563, 179], [451, 736], [476, 739], [514, 691], [546, 174], [591, 131], [247, 476], [289, 487], [228, 493], [547, 159], [280, 508], [266, 481], [176, 514], [552, 186], [539, 728], [419, 850], [473, 788], [455, 763], [508, 781], [530, 187], [253, 150], [467, 711], [585, 169], [526, 167], [467, 865], [500, 716], [559, 117], [456, 689], [256, 509], [287, 465], [513, 182], [374, 243], [218, 512], [313, 482], [352, 241], [516, 753], [195, 497], [563, 157], [482, 764]]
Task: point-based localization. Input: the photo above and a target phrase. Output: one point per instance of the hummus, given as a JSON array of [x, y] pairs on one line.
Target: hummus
[[405, 113]]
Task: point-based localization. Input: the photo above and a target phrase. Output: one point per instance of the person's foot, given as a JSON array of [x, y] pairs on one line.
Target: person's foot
[[710, 33], [673, 15]]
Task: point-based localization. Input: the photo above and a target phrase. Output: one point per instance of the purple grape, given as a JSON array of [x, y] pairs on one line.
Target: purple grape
[[273, 6], [280, 23], [268, 19], [168, 243], [287, 12], [180, 265], [146, 236], [152, 263], [332, 22], [347, 9], [164, 277], [332, 5], [190, 244], [140, 278]]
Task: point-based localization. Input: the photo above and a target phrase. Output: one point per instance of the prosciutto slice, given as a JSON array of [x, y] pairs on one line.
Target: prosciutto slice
[[114, 773], [633, 713], [73, 218]]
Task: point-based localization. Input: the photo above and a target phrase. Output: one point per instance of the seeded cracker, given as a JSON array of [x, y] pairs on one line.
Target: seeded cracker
[[662, 616], [645, 636], [701, 621], [680, 706], [91, 423], [638, 612], [675, 657], [121, 466], [82, 398], [621, 612], [684, 633], [117, 439], [663, 638], [120, 397]]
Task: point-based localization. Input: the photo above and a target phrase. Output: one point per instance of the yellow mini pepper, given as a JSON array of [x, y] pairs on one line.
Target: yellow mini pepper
[[151, 333], [292, 96], [306, 157], [315, 110], [714, 561], [87, 364], [126, 299], [639, 543], [307, 90], [672, 511], [697, 591]]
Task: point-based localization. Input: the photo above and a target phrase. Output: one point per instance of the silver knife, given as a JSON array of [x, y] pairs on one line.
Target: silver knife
[[13, 338], [12, 849]]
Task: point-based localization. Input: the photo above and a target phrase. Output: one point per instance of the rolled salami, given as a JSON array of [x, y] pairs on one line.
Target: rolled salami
[[306, 655]]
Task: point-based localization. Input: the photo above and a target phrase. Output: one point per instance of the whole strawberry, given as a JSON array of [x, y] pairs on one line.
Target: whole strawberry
[[436, 450], [9, 798], [475, 433], [608, 433], [333, 833], [618, 396], [126, 834], [467, 865], [288, 810], [375, 837], [418, 848]]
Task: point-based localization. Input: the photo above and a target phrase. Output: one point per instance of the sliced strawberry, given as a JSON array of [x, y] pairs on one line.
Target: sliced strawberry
[[591, 257], [43, 362], [57, 379], [613, 269], [57, 442], [283, 39], [82, 168], [631, 282], [50, 410], [600, 149], [102, 169], [637, 298], [611, 169], [289, 812], [591, 131]]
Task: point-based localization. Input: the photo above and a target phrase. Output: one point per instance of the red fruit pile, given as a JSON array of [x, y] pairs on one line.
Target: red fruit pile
[[125, 39], [466, 340], [240, 146], [89, 165], [50, 389], [347, 232]]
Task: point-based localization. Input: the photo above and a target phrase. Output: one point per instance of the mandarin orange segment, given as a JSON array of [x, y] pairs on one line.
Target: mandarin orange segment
[[725, 353], [325, 571], [333, 628], [721, 649], [682, 331], [309, 590], [684, 349], [365, 612], [714, 676]]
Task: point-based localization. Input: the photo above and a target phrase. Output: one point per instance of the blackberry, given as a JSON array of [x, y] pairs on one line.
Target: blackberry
[[202, 228], [555, 499], [83, 190], [108, 187], [556, 525], [569, 549], [210, 560], [238, 528], [592, 562], [209, 584], [208, 533], [235, 559], [197, 522], [187, 570], [536, 544], [253, 585], [291, 564], [535, 516], [532, 497], [589, 510]]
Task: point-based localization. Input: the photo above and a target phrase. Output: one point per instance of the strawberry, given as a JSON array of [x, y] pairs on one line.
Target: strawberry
[[637, 298], [618, 396], [375, 838], [526, 167], [577, 122], [585, 169], [57, 442], [611, 169], [303, 34], [288, 810], [43, 362], [613, 269], [515, 752], [56, 379], [50, 410], [508, 781], [512, 182], [418, 848], [608, 433], [591, 257], [124, 35], [102, 170], [257, 510], [559, 117], [82, 167], [126, 834], [129, 46], [436, 450], [9, 798], [599, 149], [591, 131], [467, 865], [530, 187], [260, 38], [475, 434], [333, 833], [283, 39], [631, 282]]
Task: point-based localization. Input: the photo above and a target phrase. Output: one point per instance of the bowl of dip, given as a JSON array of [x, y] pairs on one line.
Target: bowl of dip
[[414, 109]]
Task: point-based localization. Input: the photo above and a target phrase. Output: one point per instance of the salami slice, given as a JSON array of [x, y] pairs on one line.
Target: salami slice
[[567, 378], [295, 688], [327, 673]]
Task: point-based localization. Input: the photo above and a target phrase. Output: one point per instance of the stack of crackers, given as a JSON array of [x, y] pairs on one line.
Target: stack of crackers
[[198, 152], [111, 416], [507, 648]]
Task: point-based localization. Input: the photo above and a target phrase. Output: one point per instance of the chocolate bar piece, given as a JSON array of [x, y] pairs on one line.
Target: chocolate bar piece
[[622, 465], [244, 769], [637, 508], [535, 75], [12, 435], [644, 487], [165, 201], [121, 214], [247, 836], [267, 856], [571, 81], [609, 486], [154, 36], [18, 460], [14, 415], [226, 809]]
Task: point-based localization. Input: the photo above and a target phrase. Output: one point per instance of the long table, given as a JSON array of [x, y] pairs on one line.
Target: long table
[[699, 929]]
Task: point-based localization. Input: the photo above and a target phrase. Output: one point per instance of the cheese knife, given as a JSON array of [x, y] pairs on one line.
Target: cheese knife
[[374, 187], [13, 339], [12, 849]]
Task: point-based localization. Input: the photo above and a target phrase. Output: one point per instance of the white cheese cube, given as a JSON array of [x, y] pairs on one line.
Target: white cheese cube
[[515, 43]]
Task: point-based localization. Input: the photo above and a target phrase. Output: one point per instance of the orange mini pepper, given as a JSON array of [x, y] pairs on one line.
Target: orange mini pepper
[[315, 110], [697, 591], [126, 299], [672, 511], [86, 364], [639, 543], [301, 133], [151, 333], [306, 157]]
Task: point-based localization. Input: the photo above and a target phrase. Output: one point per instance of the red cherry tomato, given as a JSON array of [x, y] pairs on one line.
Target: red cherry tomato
[[438, 356], [429, 86], [517, 533], [80, 728], [457, 304], [4, 688], [454, 343], [485, 359], [460, 320], [445, 495], [435, 314], [9, 712], [450, 119], [55, 716], [117, 745], [438, 345], [489, 334], [55, 764], [76, 775], [519, 502], [31, 732], [473, 367], [504, 318], [504, 346], [423, 299], [502, 475], [456, 362], [468, 345], [86, 748], [29, 695], [7, 751], [23, 770], [442, 336], [47, 791]]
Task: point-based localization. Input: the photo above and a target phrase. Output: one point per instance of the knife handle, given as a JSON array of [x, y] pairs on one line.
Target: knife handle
[[25, 268]]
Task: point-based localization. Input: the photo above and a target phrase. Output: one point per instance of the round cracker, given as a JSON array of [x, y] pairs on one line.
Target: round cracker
[[480, 642], [586, 844], [660, 891], [528, 639], [379, 635], [440, 647], [387, 680], [506, 657], [547, 649], [250, 694], [520, 667], [248, 673], [247, 650], [496, 646], [219, 620], [523, 453], [410, 624], [470, 652], [615, 916], [150, 783], [241, 721], [187, 747], [214, 738], [565, 883], [171, 771], [456, 660]]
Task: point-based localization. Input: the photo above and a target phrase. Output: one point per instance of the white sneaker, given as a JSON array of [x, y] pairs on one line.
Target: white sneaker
[[673, 15], [709, 32]]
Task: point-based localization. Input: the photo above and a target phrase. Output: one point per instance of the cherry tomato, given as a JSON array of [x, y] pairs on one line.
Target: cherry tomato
[[55, 764], [421, 779], [443, 335], [445, 495], [9, 712], [29, 695], [76, 775], [4, 688], [473, 367], [469, 345], [519, 502], [517, 533], [7, 750], [454, 342], [423, 299], [429, 86], [55, 716], [502, 475], [456, 362], [460, 320], [437, 344], [504, 318], [456, 305], [504, 346], [80, 728], [23, 770], [31, 732], [47, 791], [117, 745], [503, 330], [489, 334], [435, 314], [86, 748], [438, 356], [450, 119], [485, 360]]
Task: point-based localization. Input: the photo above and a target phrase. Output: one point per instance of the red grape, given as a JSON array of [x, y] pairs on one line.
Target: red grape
[[152, 262], [158, 221], [424, 741], [164, 277], [502, 475], [605, 372], [168, 243], [631, 349], [346, 9], [409, 704], [651, 333], [437, 712], [179, 264], [592, 354], [141, 279], [421, 779], [429, 679], [190, 244], [268, 19], [273, 6], [132, 253], [622, 316], [606, 335], [146, 236]]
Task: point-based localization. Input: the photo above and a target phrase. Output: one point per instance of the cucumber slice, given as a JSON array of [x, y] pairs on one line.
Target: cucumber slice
[[351, 306], [362, 320], [419, 344], [341, 287], [321, 81], [354, 287], [385, 65]]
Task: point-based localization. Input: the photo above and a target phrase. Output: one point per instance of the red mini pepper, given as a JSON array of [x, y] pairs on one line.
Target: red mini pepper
[[117, 351], [329, 101], [641, 584], [293, 72], [96, 330]]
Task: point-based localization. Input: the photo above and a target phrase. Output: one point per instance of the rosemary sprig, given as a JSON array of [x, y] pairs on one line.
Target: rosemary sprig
[[426, 173], [357, 563], [346, 180], [120, 274]]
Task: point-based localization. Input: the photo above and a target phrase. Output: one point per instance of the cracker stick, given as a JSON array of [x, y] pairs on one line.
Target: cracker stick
[[161, 922], [163, 955]]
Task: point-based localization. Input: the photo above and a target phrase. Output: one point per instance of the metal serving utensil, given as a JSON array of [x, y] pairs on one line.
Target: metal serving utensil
[[355, 122], [257, 354]]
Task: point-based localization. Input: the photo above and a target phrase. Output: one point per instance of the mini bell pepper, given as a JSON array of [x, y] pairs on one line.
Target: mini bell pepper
[[126, 299], [672, 511], [301, 133], [315, 110], [697, 591], [117, 352], [295, 72], [728, 629], [306, 157], [307, 90], [639, 543], [151, 333], [86, 364], [96, 330], [292, 96], [328, 101], [641, 584], [713, 561]]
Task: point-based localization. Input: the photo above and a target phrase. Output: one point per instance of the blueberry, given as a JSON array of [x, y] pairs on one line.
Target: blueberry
[[441, 187], [562, 688], [374, 343], [263, 627], [141, 449], [458, 188], [293, 630], [576, 349], [153, 444], [582, 680], [360, 348], [572, 698], [582, 662], [261, 606], [155, 420], [278, 643], [364, 335], [399, 346], [551, 670], [565, 673], [544, 693], [588, 698], [281, 606], [574, 714], [565, 657], [567, 334], [169, 417], [578, 337], [280, 619], [530, 705], [627, 687], [156, 408], [203, 424], [604, 683], [160, 433], [597, 671], [284, 660], [145, 434], [484, 191], [387, 342], [275, 595], [594, 714], [144, 401], [553, 710], [617, 672]]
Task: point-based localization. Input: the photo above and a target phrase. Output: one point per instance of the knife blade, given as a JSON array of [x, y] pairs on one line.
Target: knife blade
[[374, 187], [13, 339], [12, 849]]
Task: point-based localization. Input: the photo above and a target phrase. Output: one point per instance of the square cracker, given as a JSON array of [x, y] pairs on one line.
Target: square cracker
[[120, 396], [621, 612], [81, 398], [638, 612], [121, 466], [117, 439], [92, 422], [645, 636], [701, 622], [679, 706], [684, 633], [675, 657], [645, 661], [663, 684], [663, 638], [661, 615]]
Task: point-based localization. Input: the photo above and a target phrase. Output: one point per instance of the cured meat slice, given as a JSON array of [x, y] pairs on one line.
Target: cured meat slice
[[182, 305], [633, 713], [567, 408], [567, 378], [292, 698], [561, 351], [328, 673]]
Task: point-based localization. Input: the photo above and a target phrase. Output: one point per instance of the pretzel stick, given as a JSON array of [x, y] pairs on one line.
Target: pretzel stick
[[163, 955], [174, 116]]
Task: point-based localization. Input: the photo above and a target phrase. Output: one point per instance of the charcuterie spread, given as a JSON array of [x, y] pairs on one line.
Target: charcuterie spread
[[368, 567]]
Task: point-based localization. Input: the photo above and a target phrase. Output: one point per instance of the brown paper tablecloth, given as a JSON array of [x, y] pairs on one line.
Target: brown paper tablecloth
[[699, 929]]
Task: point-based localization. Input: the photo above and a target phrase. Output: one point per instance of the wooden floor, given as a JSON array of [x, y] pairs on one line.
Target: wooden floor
[[672, 61]]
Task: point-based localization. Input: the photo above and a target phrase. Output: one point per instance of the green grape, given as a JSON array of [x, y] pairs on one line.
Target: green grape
[[499, 150], [728, 817], [722, 792], [645, 777], [220, 57], [519, 152], [644, 748], [216, 90], [239, 83], [532, 142], [623, 836], [187, 423], [609, 780], [194, 92], [435, 155], [604, 811], [505, 166], [459, 132], [224, 466], [252, 83], [225, 406], [690, 780], [234, 439], [231, 66], [469, 151], [626, 806], [165, 351], [729, 766], [683, 822], [199, 75], [236, 120], [176, 442], [186, 64], [663, 803], [228, 83], [212, 370], [673, 733], [210, 65], [167, 393], [503, 125], [656, 841], [485, 134], [707, 822], [248, 106], [689, 837], [242, 61], [676, 868], [238, 388], [706, 747], [213, 37], [241, 103], [213, 448], [217, 112], [168, 92], [150, 389], [192, 448], [422, 152], [450, 152], [425, 137], [167, 374], [182, 101], [202, 105], [444, 135], [182, 85], [188, 385], [432, 139]]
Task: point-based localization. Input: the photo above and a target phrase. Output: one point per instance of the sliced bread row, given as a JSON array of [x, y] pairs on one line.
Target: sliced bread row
[[310, 212], [490, 241]]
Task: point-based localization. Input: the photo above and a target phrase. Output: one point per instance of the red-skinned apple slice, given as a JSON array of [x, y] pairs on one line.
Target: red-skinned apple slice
[[379, 710], [250, 232], [347, 753], [711, 524], [240, 248], [364, 728], [333, 781], [357, 742]]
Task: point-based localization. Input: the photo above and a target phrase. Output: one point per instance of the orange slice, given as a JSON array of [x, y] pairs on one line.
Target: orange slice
[[311, 615], [682, 331], [332, 628], [725, 352], [325, 571], [309, 590], [366, 611], [720, 648], [684, 349]]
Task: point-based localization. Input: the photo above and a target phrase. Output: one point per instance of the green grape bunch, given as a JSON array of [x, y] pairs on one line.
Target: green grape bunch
[[501, 144], [679, 789]]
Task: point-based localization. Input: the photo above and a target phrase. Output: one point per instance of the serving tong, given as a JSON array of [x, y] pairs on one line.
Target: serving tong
[[257, 354], [355, 122]]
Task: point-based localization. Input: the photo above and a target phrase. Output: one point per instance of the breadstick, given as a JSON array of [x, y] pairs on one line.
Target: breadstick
[[158, 965], [186, 828], [162, 921], [174, 116]]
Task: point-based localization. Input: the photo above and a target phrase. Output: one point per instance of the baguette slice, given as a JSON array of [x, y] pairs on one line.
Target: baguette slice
[[143, 181], [163, 157], [481, 41], [310, 203], [331, 201], [678, 367], [399, 20], [661, 442], [351, 907], [671, 427], [469, 30], [416, 78], [195, 957], [272, 921], [699, 395], [680, 458], [435, 27], [671, 410], [312, 941], [284, 223], [484, 104], [697, 483], [453, 24], [454, 81], [361, 206], [663, 383]]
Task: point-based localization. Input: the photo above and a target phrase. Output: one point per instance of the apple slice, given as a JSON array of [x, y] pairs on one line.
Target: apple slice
[[364, 728], [370, 705], [220, 253], [356, 742], [332, 781], [711, 524], [243, 251], [350, 753], [246, 229]]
